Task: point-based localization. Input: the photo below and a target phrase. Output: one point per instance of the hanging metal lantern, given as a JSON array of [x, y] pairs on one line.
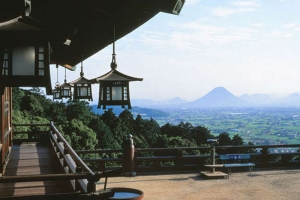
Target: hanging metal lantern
[[114, 86], [56, 93], [25, 66], [24, 55], [82, 87], [56, 90], [65, 88]]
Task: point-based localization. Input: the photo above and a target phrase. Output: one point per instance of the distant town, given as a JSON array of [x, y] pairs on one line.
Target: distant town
[[256, 118]]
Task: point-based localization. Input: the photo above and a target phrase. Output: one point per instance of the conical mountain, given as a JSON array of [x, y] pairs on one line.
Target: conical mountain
[[219, 96]]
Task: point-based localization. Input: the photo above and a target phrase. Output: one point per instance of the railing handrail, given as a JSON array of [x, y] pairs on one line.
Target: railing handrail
[[43, 177], [32, 124], [97, 151], [73, 154]]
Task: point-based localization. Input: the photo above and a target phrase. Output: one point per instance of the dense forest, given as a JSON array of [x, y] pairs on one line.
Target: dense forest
[[85, 130]]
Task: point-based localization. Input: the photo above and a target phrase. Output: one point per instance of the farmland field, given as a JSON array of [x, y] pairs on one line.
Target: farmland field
[[259, 125]]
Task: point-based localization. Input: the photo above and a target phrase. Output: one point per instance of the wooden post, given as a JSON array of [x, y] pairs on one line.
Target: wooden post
[[213, 157], [179, 160], [5, 126], [128, 164]]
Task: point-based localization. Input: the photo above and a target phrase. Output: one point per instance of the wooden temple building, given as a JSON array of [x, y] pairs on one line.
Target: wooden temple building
[[35, 34]]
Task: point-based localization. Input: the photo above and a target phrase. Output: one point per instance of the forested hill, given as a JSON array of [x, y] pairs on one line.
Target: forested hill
[[145, 112], [85, 129]]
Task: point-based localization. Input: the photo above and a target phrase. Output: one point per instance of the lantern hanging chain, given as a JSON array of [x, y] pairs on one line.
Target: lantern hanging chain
[[57, 83], [113, 64], [81, 73], [65, 75]]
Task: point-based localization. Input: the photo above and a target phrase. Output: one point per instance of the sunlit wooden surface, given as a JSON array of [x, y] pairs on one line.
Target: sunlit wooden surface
[[33, 159]]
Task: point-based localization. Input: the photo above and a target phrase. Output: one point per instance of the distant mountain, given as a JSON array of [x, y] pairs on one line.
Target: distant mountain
[[145, 112], [292, 97], [266, 100], [257, 99], [219, 96], [151, 103], [144, 102], [291, 100], [177, 101]]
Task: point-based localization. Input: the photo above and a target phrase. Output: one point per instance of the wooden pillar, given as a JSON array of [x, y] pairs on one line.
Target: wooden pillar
[[128, 164], [1, 135], [5, 126], [265, 156]]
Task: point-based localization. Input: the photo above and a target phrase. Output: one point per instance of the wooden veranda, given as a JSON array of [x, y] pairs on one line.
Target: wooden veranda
[[30, 159], [45, 166], [32, 168]]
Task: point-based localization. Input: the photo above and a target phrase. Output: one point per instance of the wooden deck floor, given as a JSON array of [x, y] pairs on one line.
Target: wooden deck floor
[[33, 159]]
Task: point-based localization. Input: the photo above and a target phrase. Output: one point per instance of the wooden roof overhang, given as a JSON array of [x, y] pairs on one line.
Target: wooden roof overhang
[[87, 23]]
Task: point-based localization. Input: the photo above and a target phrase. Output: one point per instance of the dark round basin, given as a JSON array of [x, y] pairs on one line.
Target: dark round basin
[[127, 193]]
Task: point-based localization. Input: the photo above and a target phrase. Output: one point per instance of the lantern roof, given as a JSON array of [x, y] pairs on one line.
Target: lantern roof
[[80, 80], [65, 85], [115, 75], [81, 27]]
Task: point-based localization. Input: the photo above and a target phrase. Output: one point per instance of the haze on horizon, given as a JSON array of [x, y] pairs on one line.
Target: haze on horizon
[[246, 46]]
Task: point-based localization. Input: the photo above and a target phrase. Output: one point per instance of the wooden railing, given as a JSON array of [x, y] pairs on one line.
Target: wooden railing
[[72, 163], [160, 159], [194, 159], [80, 175]]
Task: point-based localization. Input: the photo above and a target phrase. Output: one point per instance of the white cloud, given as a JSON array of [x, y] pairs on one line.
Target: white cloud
[[191, 2], [294, 1], [225, 11], [260, 25], [291, 25], [236, 7], [201, 33], [246, 3]]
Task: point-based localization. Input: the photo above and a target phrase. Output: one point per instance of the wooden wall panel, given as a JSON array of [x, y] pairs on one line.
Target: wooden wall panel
[[5, 127]]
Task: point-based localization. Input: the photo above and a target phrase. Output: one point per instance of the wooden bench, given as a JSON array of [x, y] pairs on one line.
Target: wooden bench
[[239, 161]]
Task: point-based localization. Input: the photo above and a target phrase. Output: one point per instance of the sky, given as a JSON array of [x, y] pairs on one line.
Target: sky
[[246, 46]]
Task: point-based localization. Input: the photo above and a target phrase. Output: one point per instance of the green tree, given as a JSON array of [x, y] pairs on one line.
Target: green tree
[[109, 118], [121, 130], [224, 139], [43, 101], [80, 136], [79, 110], [200, 135], [127, 120], [177, 141], [31, 105], [19, 117], [168, 130], [146, 132], [17, 95], [58, 112], [184, 130], [237, 140], [106, 139]]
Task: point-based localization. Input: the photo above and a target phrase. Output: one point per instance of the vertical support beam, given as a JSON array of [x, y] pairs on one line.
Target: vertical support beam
[[213, 157], [179, 160], [265, 156], [128, 163], [2, 134], [5, 126]]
